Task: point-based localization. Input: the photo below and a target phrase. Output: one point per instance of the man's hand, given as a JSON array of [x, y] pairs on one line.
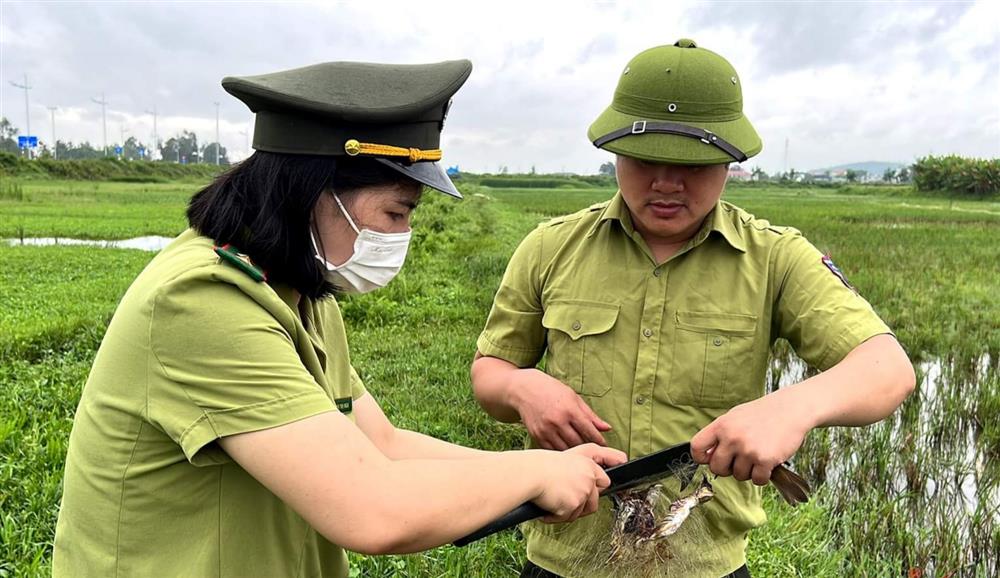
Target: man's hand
[[555, 416], [748, 441], [864, 387]]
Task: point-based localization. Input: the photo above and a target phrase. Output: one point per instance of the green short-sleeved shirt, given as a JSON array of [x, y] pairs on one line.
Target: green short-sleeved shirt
[[660, 351], [197, 350]]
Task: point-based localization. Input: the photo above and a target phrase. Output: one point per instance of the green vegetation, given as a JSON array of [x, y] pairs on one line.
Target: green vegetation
[[542, 182], [925, 264], [103, 169], [92, 209], [958, 176]]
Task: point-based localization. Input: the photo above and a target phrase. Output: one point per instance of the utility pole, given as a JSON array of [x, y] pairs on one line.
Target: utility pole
[[104, 120], [786, 155], [246, 142], [27, 110], [217, 147], [55, 143], [156, 140]]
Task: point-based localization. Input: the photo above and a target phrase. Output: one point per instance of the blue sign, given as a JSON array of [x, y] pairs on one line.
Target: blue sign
[[32, 142], [142, 151], [118, 150], [452, 171], [27, 142]]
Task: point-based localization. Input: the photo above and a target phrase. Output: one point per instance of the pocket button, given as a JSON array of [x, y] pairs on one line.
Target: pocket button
[[577, 325], [717, 341]]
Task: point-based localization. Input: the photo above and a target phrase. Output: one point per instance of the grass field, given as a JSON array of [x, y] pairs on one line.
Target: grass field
[[918, 490]]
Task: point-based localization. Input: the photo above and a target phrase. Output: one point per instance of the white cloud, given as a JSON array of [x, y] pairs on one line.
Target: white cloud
[[842, 81]]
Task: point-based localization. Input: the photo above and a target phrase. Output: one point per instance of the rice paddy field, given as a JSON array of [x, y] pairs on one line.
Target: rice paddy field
[[915, 495]]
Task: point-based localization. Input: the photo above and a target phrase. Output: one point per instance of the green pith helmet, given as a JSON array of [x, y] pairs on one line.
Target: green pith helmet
[[393, 113], [677, 104]]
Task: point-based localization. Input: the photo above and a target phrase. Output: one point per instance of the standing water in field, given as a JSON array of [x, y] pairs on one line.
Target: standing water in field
[[151, 243], [923, 486]]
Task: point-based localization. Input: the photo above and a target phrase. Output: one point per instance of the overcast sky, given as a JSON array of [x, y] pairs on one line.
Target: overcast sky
[[841, 81]]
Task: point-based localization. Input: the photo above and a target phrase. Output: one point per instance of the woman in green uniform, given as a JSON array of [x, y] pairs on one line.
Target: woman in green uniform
[[222, 430]]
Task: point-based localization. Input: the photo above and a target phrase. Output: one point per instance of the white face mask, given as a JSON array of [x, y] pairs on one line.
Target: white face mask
[[376, 260]]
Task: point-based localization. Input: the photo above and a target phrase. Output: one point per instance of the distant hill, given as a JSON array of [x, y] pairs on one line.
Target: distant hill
[[871, 167]]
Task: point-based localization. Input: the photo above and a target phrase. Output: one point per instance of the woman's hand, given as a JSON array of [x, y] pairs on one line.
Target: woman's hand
[[748, 441], [573, 480]]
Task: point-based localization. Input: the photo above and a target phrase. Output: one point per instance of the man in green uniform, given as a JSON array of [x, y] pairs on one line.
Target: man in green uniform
[[223, 431], [656, 311]]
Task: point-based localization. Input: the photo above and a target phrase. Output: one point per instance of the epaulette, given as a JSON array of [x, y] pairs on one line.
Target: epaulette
[[241, 261], [577, 215]]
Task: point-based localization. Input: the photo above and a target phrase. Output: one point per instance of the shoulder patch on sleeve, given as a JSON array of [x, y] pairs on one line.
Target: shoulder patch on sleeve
[[828, 262]]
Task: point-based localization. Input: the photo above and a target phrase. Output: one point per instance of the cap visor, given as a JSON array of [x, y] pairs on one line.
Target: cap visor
[[427, 173]]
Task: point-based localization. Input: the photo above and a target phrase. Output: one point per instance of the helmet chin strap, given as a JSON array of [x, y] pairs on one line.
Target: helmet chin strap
[[645, 126]]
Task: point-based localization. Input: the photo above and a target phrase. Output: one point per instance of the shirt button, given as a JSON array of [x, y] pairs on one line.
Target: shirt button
[[649, 333], [640, 400], [717, 341], [657, 272], [577, 325]]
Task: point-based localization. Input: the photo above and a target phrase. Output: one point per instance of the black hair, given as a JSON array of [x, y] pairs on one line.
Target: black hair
[[263, 207]]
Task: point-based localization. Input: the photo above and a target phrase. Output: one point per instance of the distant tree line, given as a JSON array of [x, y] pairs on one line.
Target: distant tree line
[[957, 175], [103, 169], [181, 149]]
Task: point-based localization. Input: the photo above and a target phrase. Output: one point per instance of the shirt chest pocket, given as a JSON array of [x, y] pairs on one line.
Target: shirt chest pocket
[[713, 359], [581, 344]]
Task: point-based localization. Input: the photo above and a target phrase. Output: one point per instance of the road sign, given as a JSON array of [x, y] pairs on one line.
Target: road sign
[[32, 142], [118, 150], [22, 142]]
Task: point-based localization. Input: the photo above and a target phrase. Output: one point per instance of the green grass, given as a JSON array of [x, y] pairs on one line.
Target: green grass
[[923, 263], [60, 294], [94, 210]]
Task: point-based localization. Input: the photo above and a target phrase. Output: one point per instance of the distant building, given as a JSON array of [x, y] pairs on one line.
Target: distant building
[[839, 176], [739, 173]]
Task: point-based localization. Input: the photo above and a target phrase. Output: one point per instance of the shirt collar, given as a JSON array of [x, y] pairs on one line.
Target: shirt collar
[[718, 220], [616, 210]]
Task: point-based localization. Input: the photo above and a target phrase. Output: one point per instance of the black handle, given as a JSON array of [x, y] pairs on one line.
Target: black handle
[[523, 513]]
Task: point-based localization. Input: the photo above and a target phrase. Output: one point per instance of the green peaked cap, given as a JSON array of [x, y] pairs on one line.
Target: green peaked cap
[[677, 104], [391, 112]]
